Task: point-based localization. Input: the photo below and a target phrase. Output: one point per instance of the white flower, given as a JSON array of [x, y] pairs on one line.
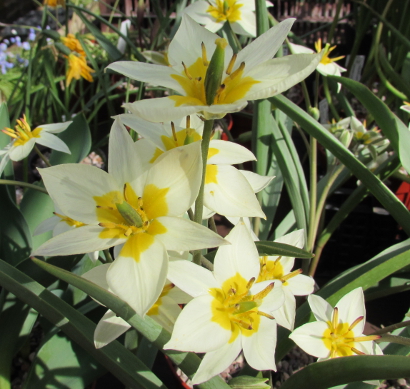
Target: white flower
[[229, 312], [165, 310], [327, 66], [24, 139], [406, 107], [252, 74], [213, 14], [223, 182], [338, 331], [293, 283], [130, 206]]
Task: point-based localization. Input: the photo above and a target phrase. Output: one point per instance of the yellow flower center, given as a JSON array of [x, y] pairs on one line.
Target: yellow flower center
[[339, 337], [225, 10], [235, 309], [233, 86], [273, 270], [126, 215], [325, 59], [22, 132]]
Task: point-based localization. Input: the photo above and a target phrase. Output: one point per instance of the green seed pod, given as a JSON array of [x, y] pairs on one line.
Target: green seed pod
[[129, 214], [214, 72]]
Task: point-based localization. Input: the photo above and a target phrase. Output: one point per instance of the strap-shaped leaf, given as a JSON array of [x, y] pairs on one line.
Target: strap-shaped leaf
[[379, 190], [121, 362], [339, 371], [282, 249], [188, 362]]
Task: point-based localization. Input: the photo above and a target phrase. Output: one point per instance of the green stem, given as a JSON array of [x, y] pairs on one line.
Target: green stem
[[108, 257], [232, 38], [391, 328], [319, 211], [206, 263], [329, 99], [401, 176], [335, 20], [212, 224], [199, 203], [395, 339], [24, 185], [312, 193], [41, 155], [306, 95]]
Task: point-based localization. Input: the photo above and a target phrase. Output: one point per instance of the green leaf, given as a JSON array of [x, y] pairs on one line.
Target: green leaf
[[37, 207], [104, 42], [8, 172], [245, 382], [121, 362], [60, 362], [282, 249], [77, 137], [338, 371], [15, 237], [393, 128], [379, 190], [188, 362]]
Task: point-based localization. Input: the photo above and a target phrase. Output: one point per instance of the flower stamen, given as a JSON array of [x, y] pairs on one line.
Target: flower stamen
[[204, 57], [231, 64]]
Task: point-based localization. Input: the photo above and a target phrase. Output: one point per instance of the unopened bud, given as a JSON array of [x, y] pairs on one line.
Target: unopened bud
[[314, 112]]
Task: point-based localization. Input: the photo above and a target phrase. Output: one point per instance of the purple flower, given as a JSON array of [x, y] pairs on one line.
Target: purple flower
[[32, 35]]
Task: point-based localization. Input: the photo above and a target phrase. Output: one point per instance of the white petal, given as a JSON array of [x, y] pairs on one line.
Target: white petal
[[139, 281], [17, 153], [179, 171], [145, 150], [279, 74], [73, 186], [53, 142], [98, 275], [178, 295], [197, 11], [168, 313], [241, 257], [61, 227], [192, 279], [273, 300], [55, 128], [149, 130], [222, 196], [351, 306], [285, 315], [322, 310], [183, 235], [109, 328], [46, 225], [161, 109], [194, 326], [228, 153], [247, 25], [299, 49], [146, 72], [309, 338], [215, 362], [259, 348], [76, 241], [4, 160], [123, 163], [256, 181], [265, 46], [301, 285]]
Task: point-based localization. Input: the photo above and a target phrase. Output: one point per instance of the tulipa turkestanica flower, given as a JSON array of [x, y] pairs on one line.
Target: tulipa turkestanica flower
[[210, 79], [24, 139], [228, 304], [223, 182], [137, 208]]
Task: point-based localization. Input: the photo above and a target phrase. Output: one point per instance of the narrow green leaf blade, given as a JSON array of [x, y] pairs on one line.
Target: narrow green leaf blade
[[121, 362], [282, 249], [339, 371]]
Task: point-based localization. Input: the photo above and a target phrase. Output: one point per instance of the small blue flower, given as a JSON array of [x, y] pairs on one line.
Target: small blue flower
[[26, 45], [32, 35], [3, 47]]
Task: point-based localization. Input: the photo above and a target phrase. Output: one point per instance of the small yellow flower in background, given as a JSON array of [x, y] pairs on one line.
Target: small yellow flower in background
[[73, 44], [77, 68], [54, 3]]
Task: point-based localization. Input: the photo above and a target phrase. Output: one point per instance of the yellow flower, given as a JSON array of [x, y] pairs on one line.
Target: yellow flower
[[77, 67], [54, 3], [73, 44]]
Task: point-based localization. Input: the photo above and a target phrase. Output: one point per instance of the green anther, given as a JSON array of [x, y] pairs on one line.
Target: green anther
[[214, 72], [245, 307], [129, 214]]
